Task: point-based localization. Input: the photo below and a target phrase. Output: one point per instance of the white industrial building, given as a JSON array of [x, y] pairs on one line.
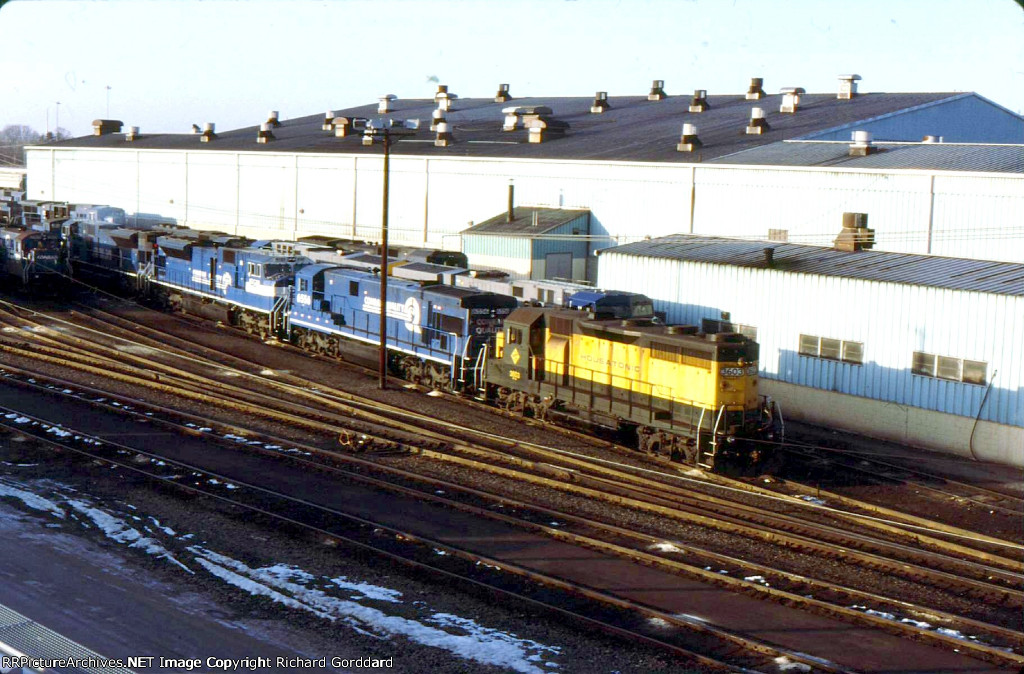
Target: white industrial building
[[923, 350], [752, 165]]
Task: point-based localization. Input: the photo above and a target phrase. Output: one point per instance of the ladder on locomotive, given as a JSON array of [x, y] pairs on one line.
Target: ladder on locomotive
[[706, 459]]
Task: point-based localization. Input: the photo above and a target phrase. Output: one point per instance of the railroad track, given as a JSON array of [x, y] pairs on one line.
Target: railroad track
[[460, 567], [635, 502]]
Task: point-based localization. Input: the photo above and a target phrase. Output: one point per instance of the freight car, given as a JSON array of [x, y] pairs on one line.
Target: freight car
[[687, 395]]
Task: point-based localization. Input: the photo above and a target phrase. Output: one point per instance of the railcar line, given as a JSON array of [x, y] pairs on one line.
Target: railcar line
[[1003, 638], [729, 650]]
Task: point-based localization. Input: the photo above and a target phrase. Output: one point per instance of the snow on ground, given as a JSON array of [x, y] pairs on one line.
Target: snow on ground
[[295, 588], [665, 547]]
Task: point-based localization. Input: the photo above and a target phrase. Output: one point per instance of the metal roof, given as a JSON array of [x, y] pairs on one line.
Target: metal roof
[[633, 128], [922, 156], [1000, 278], [523, 224]]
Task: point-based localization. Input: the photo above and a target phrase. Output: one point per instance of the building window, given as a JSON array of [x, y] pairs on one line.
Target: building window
[[949, 368], [832, 349], [778, 235], [713, 326]]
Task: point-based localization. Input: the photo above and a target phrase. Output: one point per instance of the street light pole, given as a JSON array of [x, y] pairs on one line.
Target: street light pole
[[383, 383], [56, 124], [108, 101]]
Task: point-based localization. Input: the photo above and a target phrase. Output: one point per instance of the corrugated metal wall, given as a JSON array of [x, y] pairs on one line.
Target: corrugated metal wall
[[892, 320], [266, 194]]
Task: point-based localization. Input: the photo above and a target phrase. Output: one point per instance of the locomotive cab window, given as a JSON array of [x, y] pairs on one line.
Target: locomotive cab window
[[303, 284], [255, 270]]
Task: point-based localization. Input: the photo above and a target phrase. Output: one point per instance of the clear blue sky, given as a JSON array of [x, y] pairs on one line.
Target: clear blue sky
[[171, 63]]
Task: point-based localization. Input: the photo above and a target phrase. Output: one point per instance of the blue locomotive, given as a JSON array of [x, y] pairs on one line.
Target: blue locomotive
[[436, 333]]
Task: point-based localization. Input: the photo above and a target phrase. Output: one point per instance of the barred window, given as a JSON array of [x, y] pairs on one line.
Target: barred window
[[924, 364], [808, 345], [949, 368], [832, 349]]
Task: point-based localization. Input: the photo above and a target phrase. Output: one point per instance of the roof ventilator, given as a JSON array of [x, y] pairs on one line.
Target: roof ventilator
[[265, 135], [328, 124], [855, 234], [209, 133], [436, 119], [847, 86], [689, 142], [101, 127], [132, 133], [657, 91], [862, 145], [444, 99], [932, 139], [755, 92], [272, 119], [511, 118], [502, 96], [542, 127], [600, 103], [699, 102], [444, 135], [384, 103], [791, 99], [758, 124], [769, 256], [342, 126]]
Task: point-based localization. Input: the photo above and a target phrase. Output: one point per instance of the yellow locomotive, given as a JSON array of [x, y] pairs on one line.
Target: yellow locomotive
[[686, 394]]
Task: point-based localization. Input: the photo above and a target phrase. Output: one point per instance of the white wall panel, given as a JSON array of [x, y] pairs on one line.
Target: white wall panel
[[891, 320], [946, 213]]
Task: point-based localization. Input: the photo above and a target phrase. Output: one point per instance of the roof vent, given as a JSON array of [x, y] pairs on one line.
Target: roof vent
[[272, 119], [769, 256], [265, 135], [755, 92], [444, 135], [791, 99], [209, 133], [657, 91], [847, 86], [101, 127], [855, 234], [384, 103], [437, 118], [443, 99], [511, 119], [342, 126], [932, 139], [688, 142], [132, 133], [328, 121], [502, 96], [541, 128], [600, 103], [862, 146], [195, 128], [699, 102], [758, 124]]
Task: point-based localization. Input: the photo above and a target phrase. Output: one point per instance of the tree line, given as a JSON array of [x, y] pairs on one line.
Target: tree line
[[14, 138]]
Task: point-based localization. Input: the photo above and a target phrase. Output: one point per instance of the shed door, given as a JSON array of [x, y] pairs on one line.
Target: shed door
[[558, 266]]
